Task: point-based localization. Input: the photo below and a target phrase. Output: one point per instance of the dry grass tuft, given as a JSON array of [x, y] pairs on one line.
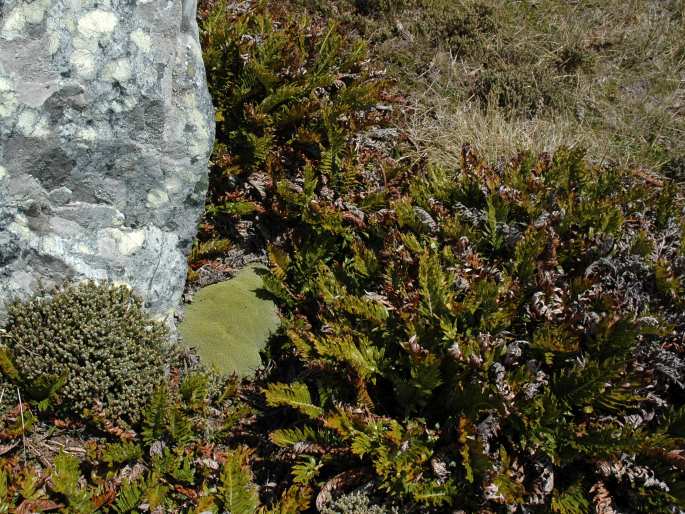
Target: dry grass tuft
[[608, 75]]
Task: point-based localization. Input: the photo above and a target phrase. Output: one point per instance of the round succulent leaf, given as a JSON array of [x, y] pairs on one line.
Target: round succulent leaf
[[230, 322]]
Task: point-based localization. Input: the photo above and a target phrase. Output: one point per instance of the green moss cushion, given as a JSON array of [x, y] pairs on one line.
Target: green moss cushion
[[230, 322]]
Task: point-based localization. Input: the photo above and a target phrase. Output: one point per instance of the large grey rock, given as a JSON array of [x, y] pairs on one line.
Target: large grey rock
[[106, 128]]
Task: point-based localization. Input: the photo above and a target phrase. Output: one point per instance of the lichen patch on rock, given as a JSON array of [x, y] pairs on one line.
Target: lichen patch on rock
[[8, 98], [141, 40], [84, 64], [26, 14], [156, 198], [97, 23], [119, 70]]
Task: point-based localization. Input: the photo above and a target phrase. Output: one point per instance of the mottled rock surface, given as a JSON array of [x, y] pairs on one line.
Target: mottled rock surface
[[106, 126]]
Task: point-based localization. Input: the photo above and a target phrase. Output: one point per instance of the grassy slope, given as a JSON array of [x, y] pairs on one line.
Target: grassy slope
[[606, 75]]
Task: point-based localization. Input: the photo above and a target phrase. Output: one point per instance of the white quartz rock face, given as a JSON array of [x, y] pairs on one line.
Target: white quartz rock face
[[106, 127]]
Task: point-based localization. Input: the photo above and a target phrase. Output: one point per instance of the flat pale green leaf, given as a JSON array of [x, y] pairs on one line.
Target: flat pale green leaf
[[229, 323]]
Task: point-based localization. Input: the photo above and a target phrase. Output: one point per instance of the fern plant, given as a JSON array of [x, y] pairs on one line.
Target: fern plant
[[290, 92], [172, 462], [483, 338]]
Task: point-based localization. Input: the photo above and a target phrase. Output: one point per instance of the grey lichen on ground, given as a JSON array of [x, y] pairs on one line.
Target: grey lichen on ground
[[357, 502], [230, 322]]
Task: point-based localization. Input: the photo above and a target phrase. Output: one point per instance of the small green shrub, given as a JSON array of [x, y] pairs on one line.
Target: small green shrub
[[8, 398], [92, 346]]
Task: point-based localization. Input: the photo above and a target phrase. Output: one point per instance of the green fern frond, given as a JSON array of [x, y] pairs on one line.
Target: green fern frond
[[295, 499], [194, 388], [572, 500], [435, 295], [358, 353], [206, 249], [306, 470], [129, 497], [237, 491], [119, 453], [65, 474], [65, 478], [284, 94], [292, 436], [155, 415], [179, 427], [184, 471], [4, 490], [279, 260], [294, 395]]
